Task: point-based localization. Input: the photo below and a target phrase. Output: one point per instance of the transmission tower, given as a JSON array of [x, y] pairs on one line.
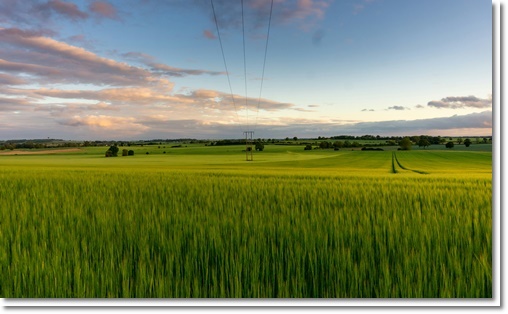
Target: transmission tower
[[248, 145]]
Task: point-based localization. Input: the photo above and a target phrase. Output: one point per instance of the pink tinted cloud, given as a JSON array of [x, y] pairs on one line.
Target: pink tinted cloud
[[127, 125], [302, 13], [151, 98], [104, 9], [164, 69], [172, 71], [7, 79], [361, 5], [55, 60], [127, 95], [211, 98], [69, 10], [208, 34], [18, 67]]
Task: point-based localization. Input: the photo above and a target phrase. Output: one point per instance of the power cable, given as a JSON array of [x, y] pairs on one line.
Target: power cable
[[224, 59], [244, 63], [245, 69], [264, 64]]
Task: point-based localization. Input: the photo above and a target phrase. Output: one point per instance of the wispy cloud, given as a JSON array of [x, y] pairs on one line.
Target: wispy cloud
[[209, 34], [50, 61], [398, 108], [62, 8], [303, 13], [126, 125], [39, 14], [125, 95], [50, 81], [368, 109], [103, 9], [461, 102], [7, 79], [360, 5], [54, 61], [163, 69], [15, 104]]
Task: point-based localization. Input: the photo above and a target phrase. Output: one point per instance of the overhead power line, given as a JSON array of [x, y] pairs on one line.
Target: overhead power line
[[245, 68], [245, 63], [224, 59], [264, 64]]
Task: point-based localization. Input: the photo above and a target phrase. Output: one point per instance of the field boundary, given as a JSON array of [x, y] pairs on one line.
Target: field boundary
[[400, 165]]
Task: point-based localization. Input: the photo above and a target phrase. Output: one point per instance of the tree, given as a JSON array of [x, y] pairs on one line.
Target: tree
[[125, 152], [295, 138], [260, 146], [113, 151], [405, 143], [308, 147], [423, 142], [459, 140], [467, 142], [338, 144], [130, 153], [449, 145], [324, 144]]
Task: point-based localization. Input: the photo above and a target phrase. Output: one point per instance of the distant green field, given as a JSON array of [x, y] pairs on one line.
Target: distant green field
[[202, 222]]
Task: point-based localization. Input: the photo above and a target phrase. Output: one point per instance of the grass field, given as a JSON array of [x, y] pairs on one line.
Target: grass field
[[202, 222]]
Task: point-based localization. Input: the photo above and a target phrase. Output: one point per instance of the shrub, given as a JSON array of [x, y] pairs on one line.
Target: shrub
[[260, 146], [405, 143]]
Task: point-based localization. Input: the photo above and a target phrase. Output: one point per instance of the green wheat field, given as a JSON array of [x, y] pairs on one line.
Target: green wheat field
[[201, 222]]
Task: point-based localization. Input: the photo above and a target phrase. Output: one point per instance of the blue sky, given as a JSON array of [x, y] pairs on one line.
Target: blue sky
[[137, 69]]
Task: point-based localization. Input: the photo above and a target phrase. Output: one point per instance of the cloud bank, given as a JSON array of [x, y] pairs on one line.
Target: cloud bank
[[53, 86]]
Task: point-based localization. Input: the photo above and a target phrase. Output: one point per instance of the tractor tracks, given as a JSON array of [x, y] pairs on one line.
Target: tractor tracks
[[395, 160]]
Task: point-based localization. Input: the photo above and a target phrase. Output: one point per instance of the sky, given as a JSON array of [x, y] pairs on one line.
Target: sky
[[154, 69]]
